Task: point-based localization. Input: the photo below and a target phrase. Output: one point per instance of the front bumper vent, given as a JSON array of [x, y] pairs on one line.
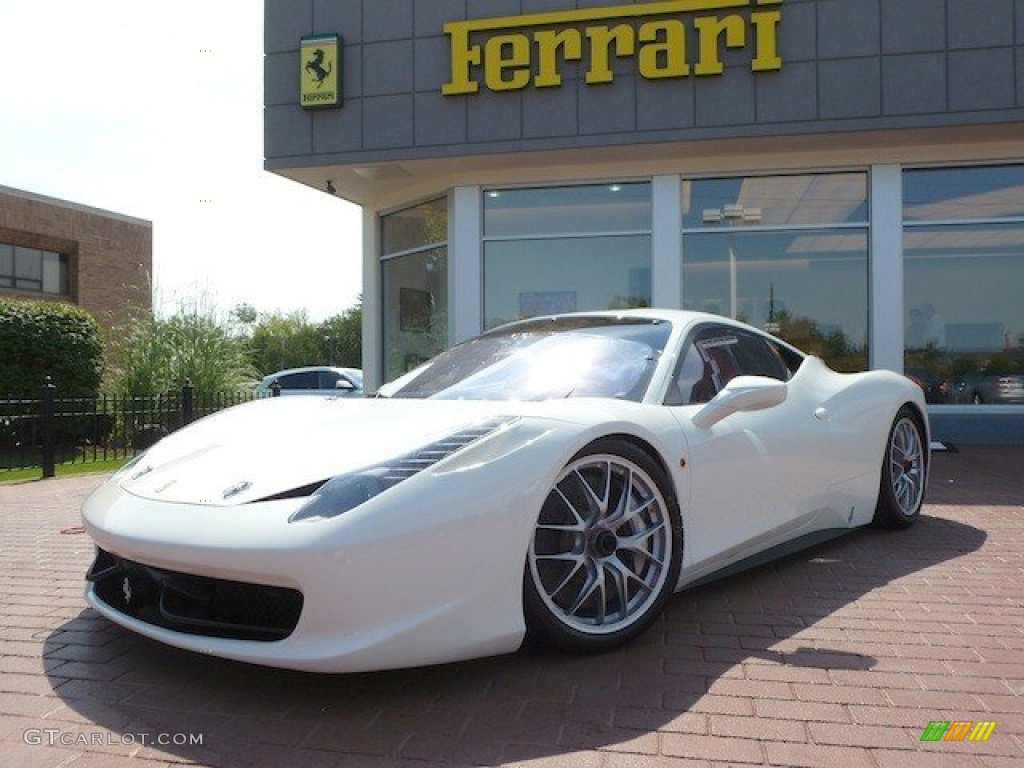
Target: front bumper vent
[[195, 605]]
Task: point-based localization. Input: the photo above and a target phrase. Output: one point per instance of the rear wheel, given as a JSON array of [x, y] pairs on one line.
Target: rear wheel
[[904, 472], [606, 551]]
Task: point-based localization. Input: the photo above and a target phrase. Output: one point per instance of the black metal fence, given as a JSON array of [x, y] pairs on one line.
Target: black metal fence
[[48, 430]]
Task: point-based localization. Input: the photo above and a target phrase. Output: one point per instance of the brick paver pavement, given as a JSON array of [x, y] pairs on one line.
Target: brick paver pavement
[[838, 656]]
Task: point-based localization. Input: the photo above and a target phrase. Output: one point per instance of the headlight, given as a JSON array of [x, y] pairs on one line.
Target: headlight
[[348, 491]]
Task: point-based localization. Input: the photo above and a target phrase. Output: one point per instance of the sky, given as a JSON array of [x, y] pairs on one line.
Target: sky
[[155, 110]]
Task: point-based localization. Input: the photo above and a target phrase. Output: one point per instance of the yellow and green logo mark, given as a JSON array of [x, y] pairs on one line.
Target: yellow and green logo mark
[[958, 730], [320, 71]]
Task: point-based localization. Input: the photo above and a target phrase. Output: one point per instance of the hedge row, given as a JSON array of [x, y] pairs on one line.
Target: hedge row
[[39, 339]]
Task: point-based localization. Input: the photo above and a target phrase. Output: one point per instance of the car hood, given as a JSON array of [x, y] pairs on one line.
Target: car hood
[[273, 446]]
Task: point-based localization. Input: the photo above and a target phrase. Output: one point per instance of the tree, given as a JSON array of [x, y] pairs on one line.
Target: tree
[[282, 341], [245, 315], [834, 347], [342, 337]]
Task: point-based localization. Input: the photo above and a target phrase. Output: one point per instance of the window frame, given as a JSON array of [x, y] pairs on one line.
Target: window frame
[[38, 258], [585, 235]]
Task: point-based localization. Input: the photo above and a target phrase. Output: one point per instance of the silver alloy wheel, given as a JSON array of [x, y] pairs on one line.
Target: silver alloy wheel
[[602, 548], [906, 466]]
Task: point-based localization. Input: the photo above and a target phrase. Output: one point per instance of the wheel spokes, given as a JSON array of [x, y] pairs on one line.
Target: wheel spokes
[[569, 577], [572, 508], [622, 577], [633, 544], [906, 466], [600, 503], [594, 583], [602, 544]]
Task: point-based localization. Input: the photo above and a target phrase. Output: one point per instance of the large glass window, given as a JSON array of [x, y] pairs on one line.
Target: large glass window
[[785, 253], [31, 269], [963, 246], [563, 249], [414, 274]]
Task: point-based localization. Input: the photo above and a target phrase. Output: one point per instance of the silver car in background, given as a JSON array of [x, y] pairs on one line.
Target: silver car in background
[[313, 380]]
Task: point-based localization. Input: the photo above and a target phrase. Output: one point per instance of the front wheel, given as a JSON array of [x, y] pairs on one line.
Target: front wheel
[[606, 551], [904, 472]]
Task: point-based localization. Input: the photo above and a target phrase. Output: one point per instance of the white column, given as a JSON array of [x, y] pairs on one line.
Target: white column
[[373, 346], [667, 243], [886, 268], [465, 264]]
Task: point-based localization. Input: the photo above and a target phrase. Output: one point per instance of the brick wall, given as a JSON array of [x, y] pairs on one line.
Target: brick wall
[[110, 256]]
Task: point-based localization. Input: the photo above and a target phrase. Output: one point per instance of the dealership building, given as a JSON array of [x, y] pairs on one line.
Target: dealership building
[[848, 174]]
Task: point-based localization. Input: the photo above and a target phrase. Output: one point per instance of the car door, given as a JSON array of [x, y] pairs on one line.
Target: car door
[[752, 474]]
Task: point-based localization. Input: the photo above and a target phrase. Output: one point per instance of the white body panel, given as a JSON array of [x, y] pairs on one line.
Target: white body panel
[[431, 570]]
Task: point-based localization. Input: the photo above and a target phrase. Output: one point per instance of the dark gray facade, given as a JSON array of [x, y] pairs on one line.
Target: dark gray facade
[[874, 150], [848, 66]]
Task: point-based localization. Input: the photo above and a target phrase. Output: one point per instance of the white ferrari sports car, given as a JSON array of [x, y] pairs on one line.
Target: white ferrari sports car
[[558, 477]]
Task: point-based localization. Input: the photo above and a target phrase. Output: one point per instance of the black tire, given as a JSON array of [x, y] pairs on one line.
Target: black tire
[[599, 570], [904, 472]]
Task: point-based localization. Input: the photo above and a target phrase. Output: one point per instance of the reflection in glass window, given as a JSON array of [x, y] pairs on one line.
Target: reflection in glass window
[[963, 283], [568, 210], [566, 249], [788, 254], [809, 288], [415, 309], [526, 278], [55, 273], [788, 201], [954, 194], [416, 227], [415, 286]]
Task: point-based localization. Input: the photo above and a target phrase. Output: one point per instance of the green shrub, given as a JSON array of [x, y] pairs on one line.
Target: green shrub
[[40, 339], [155, 355]]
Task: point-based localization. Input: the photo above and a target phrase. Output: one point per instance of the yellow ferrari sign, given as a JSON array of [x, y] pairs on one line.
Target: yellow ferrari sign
[[667, 39], [320, 71]]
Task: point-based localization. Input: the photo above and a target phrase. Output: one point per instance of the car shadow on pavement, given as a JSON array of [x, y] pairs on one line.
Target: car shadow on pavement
[[811, 619]]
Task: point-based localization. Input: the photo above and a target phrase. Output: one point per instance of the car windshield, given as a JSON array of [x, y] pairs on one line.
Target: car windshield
[[544, 360]]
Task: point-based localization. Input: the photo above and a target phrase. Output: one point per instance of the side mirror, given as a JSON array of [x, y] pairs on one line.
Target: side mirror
[[344, 384], [744, 393]]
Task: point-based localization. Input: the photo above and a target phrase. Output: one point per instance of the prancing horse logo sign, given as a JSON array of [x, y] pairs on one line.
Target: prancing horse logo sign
[[320, 71], [126, 590]]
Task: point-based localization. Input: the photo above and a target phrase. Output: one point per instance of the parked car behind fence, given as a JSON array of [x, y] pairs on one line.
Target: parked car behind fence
[[313, 380]]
